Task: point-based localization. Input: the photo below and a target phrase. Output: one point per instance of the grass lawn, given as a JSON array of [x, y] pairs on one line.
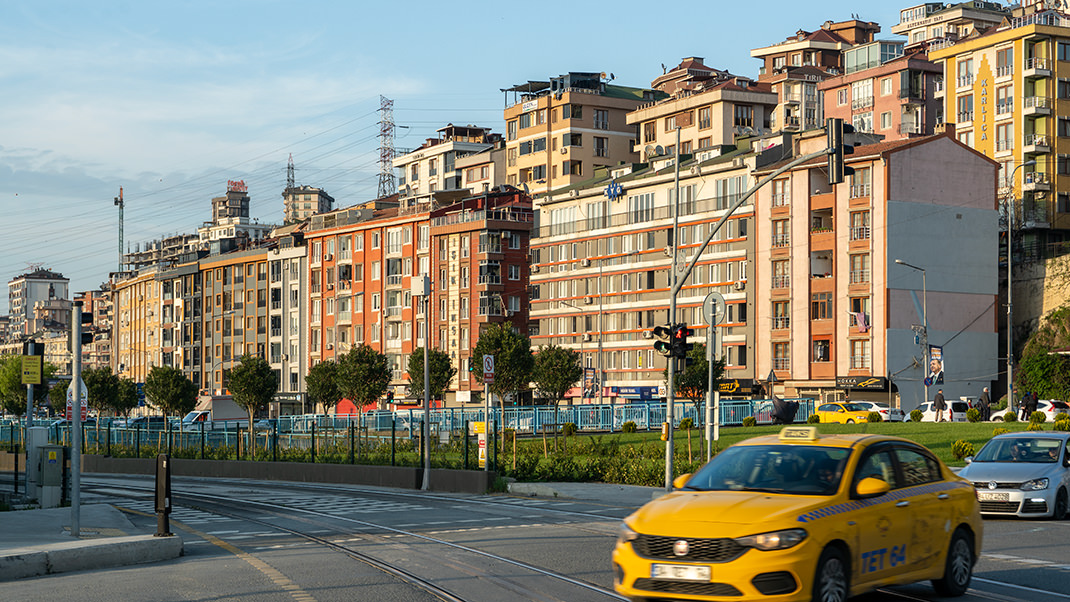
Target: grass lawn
[[937, 437]]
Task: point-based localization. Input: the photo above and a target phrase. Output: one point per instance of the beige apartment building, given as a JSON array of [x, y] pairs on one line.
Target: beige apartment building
[[433, 167], [935, 24], [302, 202], [136, 298], [559, 132]]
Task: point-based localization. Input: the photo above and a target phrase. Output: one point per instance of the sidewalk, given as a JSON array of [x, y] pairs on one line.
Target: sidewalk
[[38, 542], [609, 493]]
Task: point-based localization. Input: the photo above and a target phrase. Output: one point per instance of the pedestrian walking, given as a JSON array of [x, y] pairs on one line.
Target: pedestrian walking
[[939, 405], [1032, 406], [984, 405]]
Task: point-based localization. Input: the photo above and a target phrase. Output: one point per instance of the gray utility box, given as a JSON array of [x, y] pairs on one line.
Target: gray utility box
[[50, 475]]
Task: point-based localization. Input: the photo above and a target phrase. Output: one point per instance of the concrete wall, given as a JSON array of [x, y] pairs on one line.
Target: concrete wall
[[459, 481]]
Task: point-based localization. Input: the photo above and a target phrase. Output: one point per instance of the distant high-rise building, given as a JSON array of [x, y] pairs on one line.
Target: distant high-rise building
[[302, 202], [26, 290]]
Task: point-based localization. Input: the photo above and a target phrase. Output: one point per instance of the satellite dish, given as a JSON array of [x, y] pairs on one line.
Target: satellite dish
[[525, 185], [659, 150]]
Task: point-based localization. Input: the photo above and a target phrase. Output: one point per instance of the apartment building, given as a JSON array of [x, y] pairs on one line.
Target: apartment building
[[601, 261], [302, 202], [26, 290], [97, 303], [433, 166], [1006, 93], [136, 298], [231, 227], [935, 24], [710, 107], [181, 317], [835, 310], [794, 67], [484, 171], [558, 132], [883, 91], [287, 323]]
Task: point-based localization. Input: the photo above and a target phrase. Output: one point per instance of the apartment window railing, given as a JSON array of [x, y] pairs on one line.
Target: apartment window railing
[[1004, 145], [860, 190], [1037, 62], [1004, 107], [781, 240], [276, 332], [1005, 71], [965, 116], [781, 322], [781, 281], [859, 276], [781, 363], [965, 80], [345, 316], [862, 103], [394, 310], [490, 279], [394, 279], [860, 233], [859, 362], [780, 199]]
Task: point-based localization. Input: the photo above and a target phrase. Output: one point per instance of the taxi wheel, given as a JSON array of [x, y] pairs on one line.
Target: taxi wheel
[[1061, 505], [958, 570], [850, 421], [830, 582]]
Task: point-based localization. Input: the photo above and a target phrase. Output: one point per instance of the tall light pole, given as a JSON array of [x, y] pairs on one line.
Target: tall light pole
[[670, 392], [924, 324], [1010, 289]]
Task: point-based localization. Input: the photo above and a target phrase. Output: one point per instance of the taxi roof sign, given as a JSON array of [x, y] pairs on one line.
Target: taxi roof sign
[[799, 433]]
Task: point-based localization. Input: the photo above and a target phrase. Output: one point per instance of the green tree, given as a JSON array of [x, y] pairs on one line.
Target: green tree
[[321, 383], [169, 390], [252, 385], [556, 370], [103, 388], [125, 397], [439, 367], [513, 360], [694, 382], [13, 392], [57, 396], [363, 375], [1040, 368]]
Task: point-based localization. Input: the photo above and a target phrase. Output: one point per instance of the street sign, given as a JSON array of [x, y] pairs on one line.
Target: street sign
[[488, 368], [31, 369], [714, 309], [84, 400]]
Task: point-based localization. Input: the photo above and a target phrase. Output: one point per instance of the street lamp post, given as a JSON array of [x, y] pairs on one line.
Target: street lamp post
[[924, 324], [1010, 289]]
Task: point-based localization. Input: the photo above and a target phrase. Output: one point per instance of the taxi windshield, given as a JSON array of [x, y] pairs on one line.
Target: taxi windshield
[[789, 469], [854, 407], [1020, 449]]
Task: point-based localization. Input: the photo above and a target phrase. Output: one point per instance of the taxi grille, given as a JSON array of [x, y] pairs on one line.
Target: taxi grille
[[1011, 507], [686, 588], [698, 550]]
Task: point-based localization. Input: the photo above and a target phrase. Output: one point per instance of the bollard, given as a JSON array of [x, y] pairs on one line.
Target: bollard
[[352, 460], [275, 441], [202, 440], [313, 443], [163, 496], [393, 439], [466, 445]]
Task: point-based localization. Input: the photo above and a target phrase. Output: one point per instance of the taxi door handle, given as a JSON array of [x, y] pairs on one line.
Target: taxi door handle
[[902, 504], [942, 496]]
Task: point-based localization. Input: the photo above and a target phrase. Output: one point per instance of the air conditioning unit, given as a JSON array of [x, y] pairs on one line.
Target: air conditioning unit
[[564, 150], [330, 286], [586, 336], [330, 346], [534, 269], [647, 334], [328, 256], [588, 300], [741, 285], [585, 262]]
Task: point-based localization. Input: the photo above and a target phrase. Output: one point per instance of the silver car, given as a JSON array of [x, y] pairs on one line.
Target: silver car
[[1022, 474], [888, 414]]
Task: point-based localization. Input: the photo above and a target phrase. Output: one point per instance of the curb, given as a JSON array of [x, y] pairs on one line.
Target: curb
[[88, 554], [533, 490]]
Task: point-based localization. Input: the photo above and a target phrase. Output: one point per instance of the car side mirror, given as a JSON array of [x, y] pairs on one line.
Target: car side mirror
[[969, 459], [871, 487], [680, 481]]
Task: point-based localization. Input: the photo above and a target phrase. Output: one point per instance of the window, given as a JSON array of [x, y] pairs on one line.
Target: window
[[965, 107], [886, 120], [860, 359], [514, 272], [860, 186], [781, 236], [1004, 62], [781, 315], [572, 112], [1062, 165], [601, 119], [965, 73], [863, 122], [886, 86], [878, 465], [918, 468], [1004, 100], [601, 146], [744, 115], [414, 174], [1063, 88], [1004, 136], [860, 312], [649, 131], [572, 140], [781, 275], [705, 118], [511, 129], [859, 268], [1064, 51], [860, 225], [821, 306], [525, 120], [822, 350], [781, 356], [780, 192]]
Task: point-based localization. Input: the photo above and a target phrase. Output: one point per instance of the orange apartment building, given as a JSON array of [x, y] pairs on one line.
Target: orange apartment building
[[836, 312]]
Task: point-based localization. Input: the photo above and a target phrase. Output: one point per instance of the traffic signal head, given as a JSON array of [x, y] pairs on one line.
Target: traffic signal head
[[680, 346], [87, 320], [834, 130], [664, 344]]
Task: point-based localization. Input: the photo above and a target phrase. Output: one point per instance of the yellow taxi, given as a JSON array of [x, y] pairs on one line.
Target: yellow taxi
[[802, 516], [843, 412]]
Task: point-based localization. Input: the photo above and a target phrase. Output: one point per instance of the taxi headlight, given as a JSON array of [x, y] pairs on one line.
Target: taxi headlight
[[774, 540], [1035, 484], [626, 534]]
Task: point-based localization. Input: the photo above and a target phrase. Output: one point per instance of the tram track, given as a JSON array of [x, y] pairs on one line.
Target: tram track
[[391, 549]]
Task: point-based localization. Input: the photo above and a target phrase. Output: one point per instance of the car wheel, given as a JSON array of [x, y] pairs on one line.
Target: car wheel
[[850, 421], [958, 569], [1061, 505], [830, 582]]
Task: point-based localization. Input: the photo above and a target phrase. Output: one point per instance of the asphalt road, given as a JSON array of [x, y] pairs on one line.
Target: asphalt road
[[285, 542]]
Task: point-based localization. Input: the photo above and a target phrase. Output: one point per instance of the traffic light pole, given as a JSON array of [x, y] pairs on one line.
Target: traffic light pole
[[670, 393]]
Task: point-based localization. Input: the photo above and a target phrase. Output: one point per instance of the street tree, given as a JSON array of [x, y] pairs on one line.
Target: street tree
[[556, 370], [252, 385], [13, 392], [1041, 368], [57, 396], [102, 387], [168, 389], [125, 397], [363, 375], [693, 383], [321, 384], [439, 367], [513, 360]]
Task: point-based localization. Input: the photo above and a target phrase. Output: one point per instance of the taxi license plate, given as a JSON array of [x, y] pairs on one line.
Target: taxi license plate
[[680, 572], [993, 496]]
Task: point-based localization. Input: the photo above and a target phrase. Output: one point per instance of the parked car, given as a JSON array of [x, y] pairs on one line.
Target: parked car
[[1050, 407], [842, 412], [957, 411], [151, 423], [888, 414], [265, 424], [1025, 474]]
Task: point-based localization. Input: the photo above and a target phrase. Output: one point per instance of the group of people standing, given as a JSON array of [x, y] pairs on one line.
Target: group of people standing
[[1027, 405], [984, 406]]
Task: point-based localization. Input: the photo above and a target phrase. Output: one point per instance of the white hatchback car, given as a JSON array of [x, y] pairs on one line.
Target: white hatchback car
[[957, 411], [888, 414], [1050, 407]]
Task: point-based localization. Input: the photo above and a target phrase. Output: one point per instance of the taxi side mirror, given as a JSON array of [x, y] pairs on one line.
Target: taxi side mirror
[[680, 481], [871, 487]]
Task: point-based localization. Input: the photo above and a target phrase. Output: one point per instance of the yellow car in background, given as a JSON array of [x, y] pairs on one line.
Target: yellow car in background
[[843, 412], [801, 516]]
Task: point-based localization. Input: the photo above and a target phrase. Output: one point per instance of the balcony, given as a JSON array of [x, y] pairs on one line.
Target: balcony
[[1036, 105], [938, 88], [859, 104], [394, 311], [395, 280], [345, 317], [1033, 181], [1036, 143], [490, 279], [1037, 67], [909, 128]]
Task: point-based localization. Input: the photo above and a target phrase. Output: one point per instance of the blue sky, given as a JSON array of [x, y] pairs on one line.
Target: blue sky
[[171, 100]]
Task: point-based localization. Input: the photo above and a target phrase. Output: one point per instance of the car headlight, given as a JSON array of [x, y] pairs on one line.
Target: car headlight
[[774, 540], [626, 534], [1035, 484]]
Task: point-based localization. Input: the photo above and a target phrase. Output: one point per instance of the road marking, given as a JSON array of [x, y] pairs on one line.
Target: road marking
[[1021, 587]]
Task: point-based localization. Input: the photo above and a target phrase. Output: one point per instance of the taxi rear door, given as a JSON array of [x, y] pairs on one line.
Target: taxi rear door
[[931, 501], [882, 524]]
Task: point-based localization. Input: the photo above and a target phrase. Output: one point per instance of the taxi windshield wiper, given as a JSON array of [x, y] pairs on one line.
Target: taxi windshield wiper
[[763, 489]]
